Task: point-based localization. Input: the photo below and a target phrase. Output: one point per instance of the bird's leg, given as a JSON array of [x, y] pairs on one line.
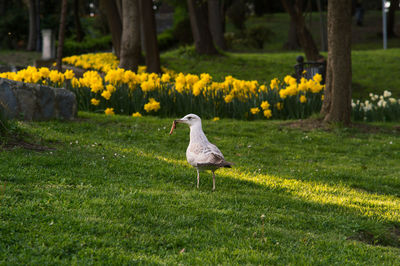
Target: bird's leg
[[198, 178], [213, 181]]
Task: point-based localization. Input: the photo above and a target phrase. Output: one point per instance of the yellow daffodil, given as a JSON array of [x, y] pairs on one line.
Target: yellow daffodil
[[109, 111], [94, 102], [267, 113], [106, 95], [152, 105], [69, 74], [255, 110], [265, 105]]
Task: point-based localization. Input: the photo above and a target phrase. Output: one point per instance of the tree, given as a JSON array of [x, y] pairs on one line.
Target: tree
[[337, 102], [200, 28], [80, 34], [150, 36], [114, 23], [61, 34], [293, 40], [305, 38], [215, 14], [32, 39], [130, 42]]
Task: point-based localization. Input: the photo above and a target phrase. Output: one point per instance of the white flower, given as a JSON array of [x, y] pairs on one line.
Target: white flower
[[367, 107], [387, 94], [392, 100], [382, 103]]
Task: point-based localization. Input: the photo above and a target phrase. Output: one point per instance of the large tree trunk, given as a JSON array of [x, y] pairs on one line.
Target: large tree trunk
[[80, 34], [216, 23], [32, 40], [305, 38], [114, 23], [394, 5], [130, 42], [337, 101], [150, 36], [200, 27], [61, 34]]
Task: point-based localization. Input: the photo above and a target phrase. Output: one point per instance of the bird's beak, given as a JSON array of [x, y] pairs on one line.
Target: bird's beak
[[180, 121]]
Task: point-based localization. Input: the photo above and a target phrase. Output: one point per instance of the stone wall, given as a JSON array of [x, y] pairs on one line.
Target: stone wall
[[36, 102]]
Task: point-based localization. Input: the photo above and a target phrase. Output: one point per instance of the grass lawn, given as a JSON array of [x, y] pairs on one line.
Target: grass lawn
[[118, 190], [373, 70]]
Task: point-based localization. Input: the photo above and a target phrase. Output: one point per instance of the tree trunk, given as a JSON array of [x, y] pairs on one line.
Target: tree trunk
[[150, 36], [119, 8], [38, 32], [80, 34], [216, 23], [114, 23], [61, 34], [200, 27], [293, 41], [32, 40], [337, 101], [130, 41], [305, 38], [394, 5]]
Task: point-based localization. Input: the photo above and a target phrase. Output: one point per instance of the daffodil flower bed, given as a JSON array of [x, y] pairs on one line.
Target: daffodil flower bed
[[126, 92], [106, 88]]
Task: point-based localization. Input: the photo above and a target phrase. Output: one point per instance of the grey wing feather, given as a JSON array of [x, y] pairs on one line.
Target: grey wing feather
[[214, 157]]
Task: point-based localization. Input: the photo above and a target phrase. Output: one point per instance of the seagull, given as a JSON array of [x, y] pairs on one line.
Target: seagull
[[200, 153]]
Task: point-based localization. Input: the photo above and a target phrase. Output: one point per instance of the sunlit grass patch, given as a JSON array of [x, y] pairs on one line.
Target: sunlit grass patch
[[118, 189]]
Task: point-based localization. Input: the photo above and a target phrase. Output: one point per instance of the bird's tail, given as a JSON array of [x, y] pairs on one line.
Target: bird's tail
[[226, 164]]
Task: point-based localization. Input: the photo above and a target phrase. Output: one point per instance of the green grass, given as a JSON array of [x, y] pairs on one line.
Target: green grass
[[366, 37], [18, 58], [117, 190], [372, 69]]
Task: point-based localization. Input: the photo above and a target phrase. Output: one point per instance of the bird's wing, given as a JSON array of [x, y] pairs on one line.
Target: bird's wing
[[206, 155]]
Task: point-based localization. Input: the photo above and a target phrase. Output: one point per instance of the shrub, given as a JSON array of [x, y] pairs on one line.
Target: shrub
[[89, 45], [182, 31], [258, 35], [237, 14], [166, 40], [13, 27]]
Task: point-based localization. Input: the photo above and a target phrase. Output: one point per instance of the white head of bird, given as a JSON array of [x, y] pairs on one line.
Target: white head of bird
[[190, 119]]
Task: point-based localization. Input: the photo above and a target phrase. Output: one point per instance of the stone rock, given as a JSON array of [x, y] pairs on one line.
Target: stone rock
[[8, 101], [36, 102]]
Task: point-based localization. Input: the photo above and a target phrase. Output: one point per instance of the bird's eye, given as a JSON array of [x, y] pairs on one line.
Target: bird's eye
[[189, 117]]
